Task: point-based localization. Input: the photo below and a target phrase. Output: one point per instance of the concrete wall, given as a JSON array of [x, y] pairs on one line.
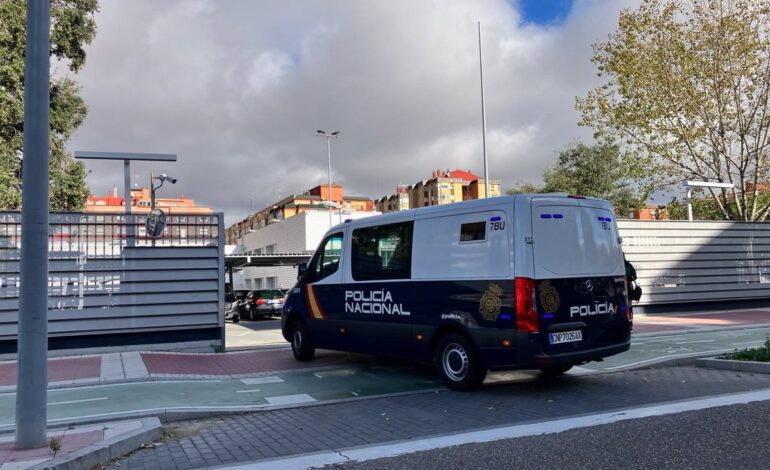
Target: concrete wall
[[686, 262]]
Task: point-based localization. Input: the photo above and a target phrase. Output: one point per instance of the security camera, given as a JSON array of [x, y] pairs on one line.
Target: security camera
[[165, 177]]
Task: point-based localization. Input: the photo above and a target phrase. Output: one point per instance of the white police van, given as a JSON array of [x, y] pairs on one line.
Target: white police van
[[513, 282]]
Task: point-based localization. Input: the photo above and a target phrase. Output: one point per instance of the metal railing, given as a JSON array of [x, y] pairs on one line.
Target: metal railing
[[97, 235]]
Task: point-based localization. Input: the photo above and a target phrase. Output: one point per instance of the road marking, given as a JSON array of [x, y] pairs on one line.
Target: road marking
[[290, 399], [77, 401], [248, 391], [262, 380], [507, 432], [698, 341], [123, 384], [750, 342]]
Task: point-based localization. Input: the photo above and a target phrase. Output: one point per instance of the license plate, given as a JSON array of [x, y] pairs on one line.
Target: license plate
[[565, 337]]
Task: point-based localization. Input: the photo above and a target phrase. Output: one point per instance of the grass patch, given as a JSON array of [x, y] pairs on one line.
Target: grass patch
[[760, 354]]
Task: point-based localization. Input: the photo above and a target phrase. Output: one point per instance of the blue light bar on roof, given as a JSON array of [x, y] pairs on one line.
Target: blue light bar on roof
[[495, 218], [545, 216], [558, 216]]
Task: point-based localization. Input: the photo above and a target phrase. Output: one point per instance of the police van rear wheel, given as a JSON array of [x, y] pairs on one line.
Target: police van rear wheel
[[458, 363], [301, 343]]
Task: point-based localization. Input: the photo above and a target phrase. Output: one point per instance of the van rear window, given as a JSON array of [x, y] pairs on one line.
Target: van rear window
[[473, 231]]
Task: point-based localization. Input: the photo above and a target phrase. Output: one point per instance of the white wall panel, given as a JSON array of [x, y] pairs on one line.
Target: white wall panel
[[699, 261]]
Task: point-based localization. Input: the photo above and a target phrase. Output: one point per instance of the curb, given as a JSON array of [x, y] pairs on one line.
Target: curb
[[107, 450], [738, 366]]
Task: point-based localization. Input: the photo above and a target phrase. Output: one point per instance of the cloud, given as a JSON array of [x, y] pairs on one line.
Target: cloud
[[238, 88]]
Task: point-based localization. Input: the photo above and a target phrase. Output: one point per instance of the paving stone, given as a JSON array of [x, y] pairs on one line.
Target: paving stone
[[338, 426]]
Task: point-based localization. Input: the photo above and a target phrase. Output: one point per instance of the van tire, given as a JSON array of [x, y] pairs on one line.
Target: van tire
[[302, 344], [458, 363], [555, 369]]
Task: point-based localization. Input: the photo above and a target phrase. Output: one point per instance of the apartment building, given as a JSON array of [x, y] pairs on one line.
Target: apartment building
[[444, 187]]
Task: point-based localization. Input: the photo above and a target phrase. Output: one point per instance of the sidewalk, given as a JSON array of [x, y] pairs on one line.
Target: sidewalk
[[171, 386], [136, 366]]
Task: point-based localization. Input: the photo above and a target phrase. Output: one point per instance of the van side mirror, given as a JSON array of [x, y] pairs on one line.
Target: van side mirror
[[301, 270]]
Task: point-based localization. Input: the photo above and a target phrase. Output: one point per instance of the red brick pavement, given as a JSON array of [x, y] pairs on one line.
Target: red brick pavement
[[59, 369], [234, 363], [688, 322]]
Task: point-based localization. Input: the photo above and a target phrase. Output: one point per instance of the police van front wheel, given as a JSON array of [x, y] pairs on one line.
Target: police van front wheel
[[301, 343], [458, 363]]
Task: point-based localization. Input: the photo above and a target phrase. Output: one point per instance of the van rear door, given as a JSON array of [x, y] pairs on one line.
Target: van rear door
[[579, 274]]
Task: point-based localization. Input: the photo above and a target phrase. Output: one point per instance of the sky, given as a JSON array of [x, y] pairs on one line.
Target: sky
[[237, 89]]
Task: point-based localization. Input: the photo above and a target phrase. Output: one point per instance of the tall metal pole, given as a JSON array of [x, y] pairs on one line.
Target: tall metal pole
[[483, 120], [130, 229], [32, 368], [329, 151]]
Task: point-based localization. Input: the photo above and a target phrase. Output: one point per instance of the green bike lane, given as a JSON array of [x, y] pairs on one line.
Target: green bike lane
[[353, 380]]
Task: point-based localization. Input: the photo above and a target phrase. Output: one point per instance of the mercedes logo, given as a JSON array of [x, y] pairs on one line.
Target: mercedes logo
[[589, 285]]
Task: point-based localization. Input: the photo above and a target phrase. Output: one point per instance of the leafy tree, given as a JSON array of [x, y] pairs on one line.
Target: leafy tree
[[72, 27], [688, 91], [702, 208], [524, 188], [597, 171]]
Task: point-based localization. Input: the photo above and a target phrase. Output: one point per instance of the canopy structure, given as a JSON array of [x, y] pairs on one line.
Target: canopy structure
[[237, 262]]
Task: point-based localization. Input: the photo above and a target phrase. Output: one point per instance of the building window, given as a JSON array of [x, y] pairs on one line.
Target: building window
[[473, 232], [272, 282], [248, 284], [382, 252]]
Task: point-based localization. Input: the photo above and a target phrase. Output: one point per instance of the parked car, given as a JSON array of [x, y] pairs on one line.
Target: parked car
[[240, 296], [232, 305], [263, 303]]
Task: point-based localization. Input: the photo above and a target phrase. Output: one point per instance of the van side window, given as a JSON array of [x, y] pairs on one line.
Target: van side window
[[472, 232], [383, 252], [327, 259]]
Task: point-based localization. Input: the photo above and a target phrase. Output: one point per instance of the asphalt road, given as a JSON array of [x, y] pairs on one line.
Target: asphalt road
[[730, 437]]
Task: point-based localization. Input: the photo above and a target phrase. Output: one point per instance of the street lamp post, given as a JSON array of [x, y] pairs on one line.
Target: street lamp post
[[329, 138], [32, 365], [701, 184], [483, 120]]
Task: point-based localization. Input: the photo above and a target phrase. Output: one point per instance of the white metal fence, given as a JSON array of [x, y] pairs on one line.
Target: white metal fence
[[107, 286], [700, 261]]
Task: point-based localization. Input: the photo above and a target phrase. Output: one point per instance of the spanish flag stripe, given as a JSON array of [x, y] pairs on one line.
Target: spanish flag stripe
[[313, 306]]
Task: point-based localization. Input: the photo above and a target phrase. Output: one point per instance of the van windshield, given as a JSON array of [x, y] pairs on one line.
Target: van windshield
[[575, 240]]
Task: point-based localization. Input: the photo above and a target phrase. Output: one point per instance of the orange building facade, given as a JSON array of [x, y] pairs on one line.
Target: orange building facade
[[141, 203], [310, 200]]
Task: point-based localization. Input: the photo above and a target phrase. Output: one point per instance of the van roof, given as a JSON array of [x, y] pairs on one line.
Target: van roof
[[478, 204]]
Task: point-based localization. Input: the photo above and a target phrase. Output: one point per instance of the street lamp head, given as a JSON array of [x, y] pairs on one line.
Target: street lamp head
[[320, 132], [336, 133], [164, 177]]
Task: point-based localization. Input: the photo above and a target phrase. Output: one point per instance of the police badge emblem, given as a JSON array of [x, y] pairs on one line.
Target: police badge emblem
[[549, 297], [489, 306]]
